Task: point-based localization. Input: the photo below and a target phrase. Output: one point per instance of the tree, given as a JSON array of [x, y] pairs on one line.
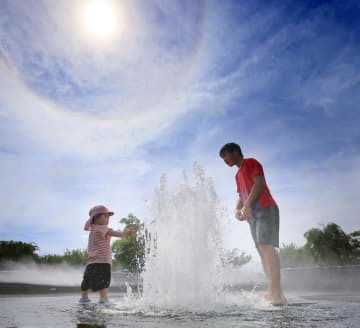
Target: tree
[[72, 257], [16, 250], [129, 252], [50, 259], [355, 241], [75, 256], [332, 246], [294, 256], [235, 258], [355, 244]]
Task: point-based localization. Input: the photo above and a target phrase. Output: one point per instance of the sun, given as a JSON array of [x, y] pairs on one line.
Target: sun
[[101, 19]]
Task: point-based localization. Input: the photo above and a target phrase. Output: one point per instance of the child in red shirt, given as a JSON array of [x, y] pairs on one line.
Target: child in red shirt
[[258, 207]]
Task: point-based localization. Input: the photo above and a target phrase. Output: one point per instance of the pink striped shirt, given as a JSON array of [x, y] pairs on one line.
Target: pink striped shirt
[[99, 250]]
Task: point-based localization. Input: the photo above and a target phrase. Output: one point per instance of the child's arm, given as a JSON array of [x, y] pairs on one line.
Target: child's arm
[[256, 190], [117, 233], [87, 226]]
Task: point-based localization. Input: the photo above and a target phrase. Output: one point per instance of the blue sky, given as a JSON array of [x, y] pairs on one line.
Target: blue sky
[[85, 120]]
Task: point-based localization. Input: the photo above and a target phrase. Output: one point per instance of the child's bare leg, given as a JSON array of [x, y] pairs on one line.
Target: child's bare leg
[[270, 259], [267, 294], [84, 299], [84, 293], [104, 293]]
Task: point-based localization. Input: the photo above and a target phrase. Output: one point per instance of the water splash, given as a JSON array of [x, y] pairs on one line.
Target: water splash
[[183, 260], [184, 272]]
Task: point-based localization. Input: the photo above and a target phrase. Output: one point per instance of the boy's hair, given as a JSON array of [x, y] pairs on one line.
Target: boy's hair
[[230, 148]]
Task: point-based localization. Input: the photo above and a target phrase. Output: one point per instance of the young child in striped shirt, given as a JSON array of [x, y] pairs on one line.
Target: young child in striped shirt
[[97, 274]]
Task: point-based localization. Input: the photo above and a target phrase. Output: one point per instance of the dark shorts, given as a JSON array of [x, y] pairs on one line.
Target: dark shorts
[[265, 226], [96, 276]]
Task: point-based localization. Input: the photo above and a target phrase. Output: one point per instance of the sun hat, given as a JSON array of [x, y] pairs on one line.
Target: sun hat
[[99, 209]]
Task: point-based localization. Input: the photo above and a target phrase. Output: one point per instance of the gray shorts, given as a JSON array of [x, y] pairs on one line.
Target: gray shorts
[[265, 226]]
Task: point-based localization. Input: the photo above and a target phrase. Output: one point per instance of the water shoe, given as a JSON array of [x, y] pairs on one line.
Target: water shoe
[[84, 300], [105, 302]]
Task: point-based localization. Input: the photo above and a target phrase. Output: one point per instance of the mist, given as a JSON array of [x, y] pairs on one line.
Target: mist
[[41, 274], [29, 272]]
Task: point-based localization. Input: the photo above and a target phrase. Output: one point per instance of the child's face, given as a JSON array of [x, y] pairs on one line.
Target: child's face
[[230, 158], [103, 219]]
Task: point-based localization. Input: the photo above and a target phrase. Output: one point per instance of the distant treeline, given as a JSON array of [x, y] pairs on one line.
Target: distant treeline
[[20, 251], [323, 247]]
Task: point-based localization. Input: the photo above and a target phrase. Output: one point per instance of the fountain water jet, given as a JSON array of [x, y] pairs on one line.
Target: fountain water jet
[[183, 260]]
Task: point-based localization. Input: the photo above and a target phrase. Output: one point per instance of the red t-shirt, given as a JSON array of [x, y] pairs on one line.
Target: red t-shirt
[[244, 180]]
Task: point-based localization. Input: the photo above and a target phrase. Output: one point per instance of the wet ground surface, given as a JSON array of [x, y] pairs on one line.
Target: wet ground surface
[[240, 310]]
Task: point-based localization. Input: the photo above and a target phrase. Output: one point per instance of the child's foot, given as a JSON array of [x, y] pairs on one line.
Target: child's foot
[[276, 298], [84, 300], [267, 296], [105, 302], [279, 301]]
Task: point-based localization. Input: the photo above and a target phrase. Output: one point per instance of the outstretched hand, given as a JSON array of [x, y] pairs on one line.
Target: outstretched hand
[[130, 232]]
